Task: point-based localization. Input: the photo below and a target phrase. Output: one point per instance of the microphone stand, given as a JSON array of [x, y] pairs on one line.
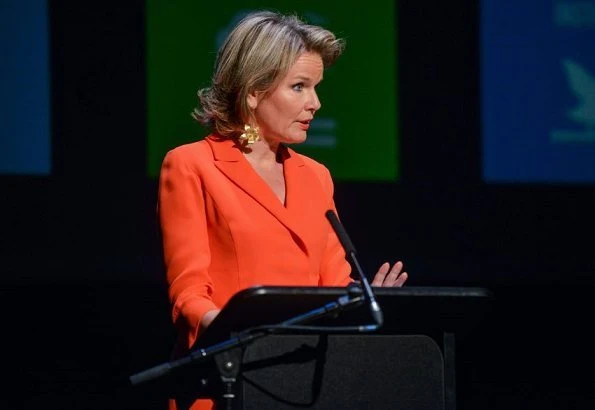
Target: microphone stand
[[350, 255], [229, 367]]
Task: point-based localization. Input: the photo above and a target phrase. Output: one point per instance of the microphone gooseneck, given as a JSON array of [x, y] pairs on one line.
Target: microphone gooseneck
[[351, 255]]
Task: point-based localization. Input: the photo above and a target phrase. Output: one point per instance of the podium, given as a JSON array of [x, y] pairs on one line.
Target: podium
[[409, 363]]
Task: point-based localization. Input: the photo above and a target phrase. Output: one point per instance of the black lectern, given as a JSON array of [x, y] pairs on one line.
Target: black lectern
[[409, 363]]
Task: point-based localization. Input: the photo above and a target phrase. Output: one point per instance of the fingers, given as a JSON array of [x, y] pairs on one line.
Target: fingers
[[390, 277], [401, 280], [381, 274], [208, 318]]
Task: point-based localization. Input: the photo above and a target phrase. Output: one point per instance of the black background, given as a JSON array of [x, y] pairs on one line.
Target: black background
[[83, 297]]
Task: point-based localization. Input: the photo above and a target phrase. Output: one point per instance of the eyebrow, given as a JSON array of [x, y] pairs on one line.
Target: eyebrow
[[304, 78]]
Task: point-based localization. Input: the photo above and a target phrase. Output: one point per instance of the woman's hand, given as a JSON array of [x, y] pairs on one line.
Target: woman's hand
[[390, 277], [208, 318]]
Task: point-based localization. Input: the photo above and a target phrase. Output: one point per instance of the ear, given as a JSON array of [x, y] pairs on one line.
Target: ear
[[252, 100]]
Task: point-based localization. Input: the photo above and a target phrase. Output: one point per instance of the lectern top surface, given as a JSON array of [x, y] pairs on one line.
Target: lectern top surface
[[406, 309]]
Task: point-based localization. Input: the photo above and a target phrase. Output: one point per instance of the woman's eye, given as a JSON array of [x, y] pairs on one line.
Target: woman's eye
[[298, 87]]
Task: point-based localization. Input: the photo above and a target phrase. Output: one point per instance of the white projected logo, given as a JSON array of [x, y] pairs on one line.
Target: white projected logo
[[575, 14], [582, 85]]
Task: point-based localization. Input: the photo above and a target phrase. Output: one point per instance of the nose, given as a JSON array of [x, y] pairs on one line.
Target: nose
[[313, 103]]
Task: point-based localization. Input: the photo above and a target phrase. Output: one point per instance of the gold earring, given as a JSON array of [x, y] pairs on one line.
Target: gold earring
[[250, 135]]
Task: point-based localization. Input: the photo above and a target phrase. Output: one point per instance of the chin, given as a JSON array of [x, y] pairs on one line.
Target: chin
[[297, 139]]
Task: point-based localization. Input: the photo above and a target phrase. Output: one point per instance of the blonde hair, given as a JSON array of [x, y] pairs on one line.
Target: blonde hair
[[258, 52]]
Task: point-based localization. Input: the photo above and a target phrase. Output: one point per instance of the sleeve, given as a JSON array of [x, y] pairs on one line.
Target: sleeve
[[334, 269], [185, 243]]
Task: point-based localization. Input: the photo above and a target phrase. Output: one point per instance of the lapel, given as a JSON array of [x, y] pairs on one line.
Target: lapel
[[298, 178]]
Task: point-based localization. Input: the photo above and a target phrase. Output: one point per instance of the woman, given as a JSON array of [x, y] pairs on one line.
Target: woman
[[240, 208]]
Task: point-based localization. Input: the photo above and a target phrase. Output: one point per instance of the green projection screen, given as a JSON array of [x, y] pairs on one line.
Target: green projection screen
[[355, 133]]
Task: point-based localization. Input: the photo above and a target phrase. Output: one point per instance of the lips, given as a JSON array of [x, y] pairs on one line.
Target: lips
[[304, 124]]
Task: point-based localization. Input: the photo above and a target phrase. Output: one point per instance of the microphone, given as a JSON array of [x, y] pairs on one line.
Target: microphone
[[350, 252]]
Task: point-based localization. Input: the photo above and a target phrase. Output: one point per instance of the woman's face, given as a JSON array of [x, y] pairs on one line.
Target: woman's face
[[284, 114]]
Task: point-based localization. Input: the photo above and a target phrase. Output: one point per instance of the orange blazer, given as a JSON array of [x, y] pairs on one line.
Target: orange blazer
[[224, 229]]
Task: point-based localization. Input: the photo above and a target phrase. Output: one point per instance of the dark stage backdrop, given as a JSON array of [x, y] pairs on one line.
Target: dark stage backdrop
[[93, 217], [81, 273]]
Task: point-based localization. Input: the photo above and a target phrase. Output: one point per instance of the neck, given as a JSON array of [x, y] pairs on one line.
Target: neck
[[263, 153]]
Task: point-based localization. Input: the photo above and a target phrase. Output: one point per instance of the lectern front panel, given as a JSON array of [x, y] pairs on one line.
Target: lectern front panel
[[343, 372]]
